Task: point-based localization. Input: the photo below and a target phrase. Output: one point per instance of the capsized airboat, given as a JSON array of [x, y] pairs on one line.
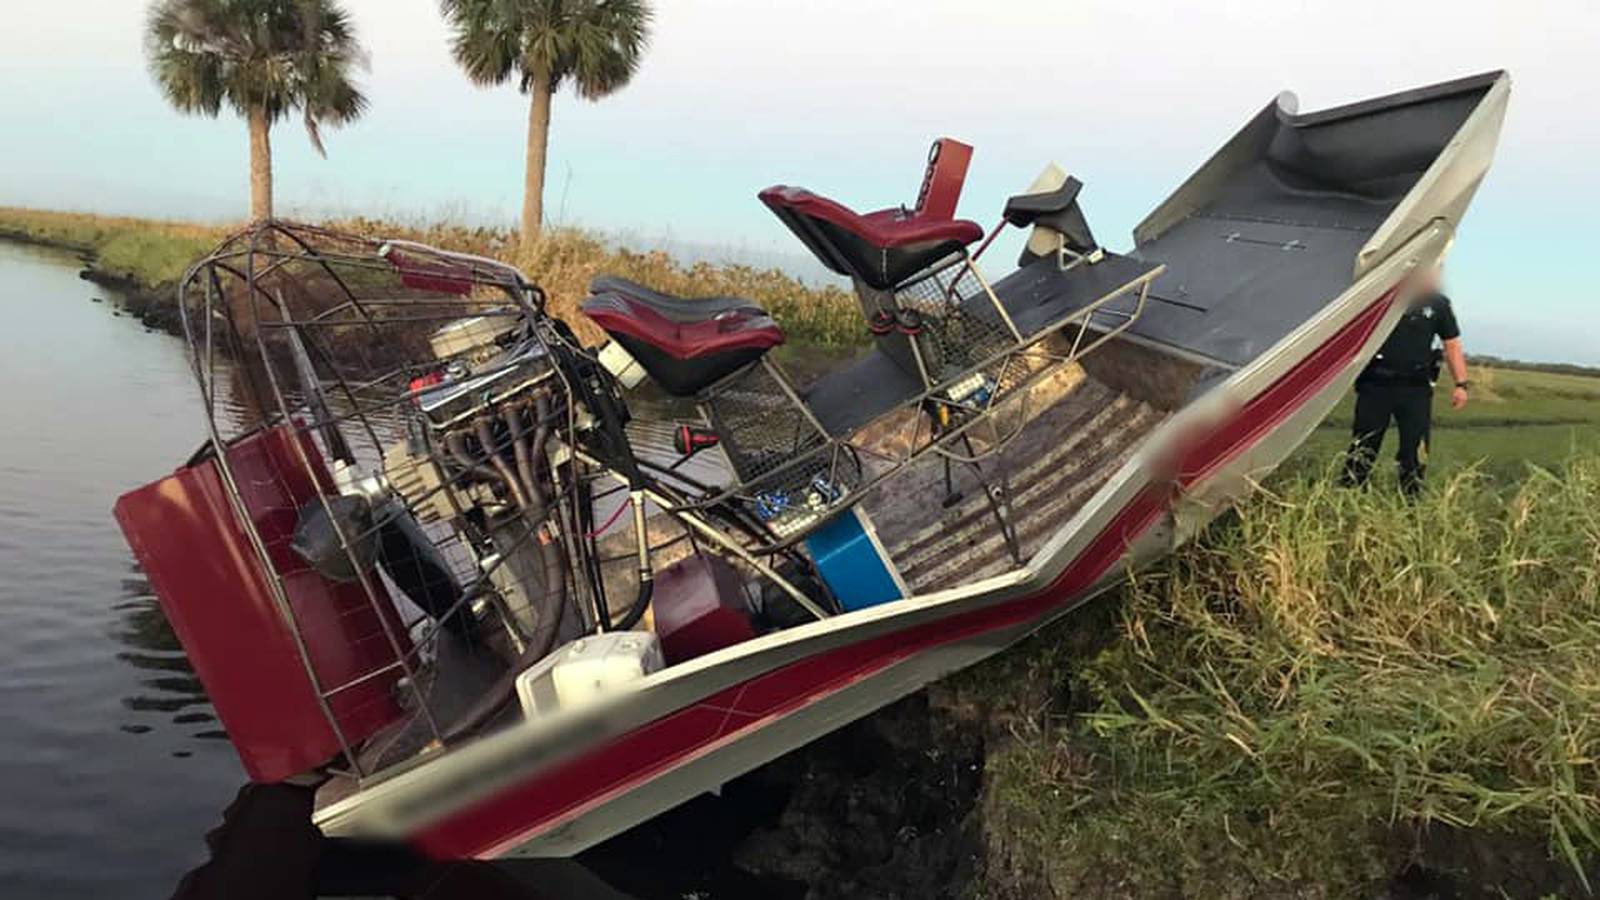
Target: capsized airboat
[[498, 592]]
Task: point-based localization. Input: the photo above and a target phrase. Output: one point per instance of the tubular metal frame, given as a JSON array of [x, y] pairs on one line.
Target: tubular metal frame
[[918, 435], [238, 257], [250, 259]]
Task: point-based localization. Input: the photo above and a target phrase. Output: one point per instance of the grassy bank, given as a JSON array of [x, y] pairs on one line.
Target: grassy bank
[[1331, 685], [145, 252], [1516, 416], [151, 255]]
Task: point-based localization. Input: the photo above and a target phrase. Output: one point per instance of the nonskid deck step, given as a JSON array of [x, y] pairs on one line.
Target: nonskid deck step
[[990, 556], [967, 543], [1045, 469]]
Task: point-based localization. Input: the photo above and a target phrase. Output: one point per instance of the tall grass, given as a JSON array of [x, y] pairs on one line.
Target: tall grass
[[1326, 666], [562, 261]]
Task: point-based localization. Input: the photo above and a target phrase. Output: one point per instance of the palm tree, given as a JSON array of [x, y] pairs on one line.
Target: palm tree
[[262, 58], [595, 44]]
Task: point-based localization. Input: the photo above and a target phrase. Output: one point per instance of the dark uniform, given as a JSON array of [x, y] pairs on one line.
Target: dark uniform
[[1398, 384]]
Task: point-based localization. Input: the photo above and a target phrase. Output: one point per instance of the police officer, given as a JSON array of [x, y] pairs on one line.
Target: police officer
[[1398, 385]]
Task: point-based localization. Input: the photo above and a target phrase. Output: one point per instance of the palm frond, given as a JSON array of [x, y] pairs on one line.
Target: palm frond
[[273, 55], [484, 38], [597, 44]]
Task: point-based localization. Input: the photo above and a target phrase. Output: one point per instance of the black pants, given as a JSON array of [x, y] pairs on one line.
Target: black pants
[[1411, 408]]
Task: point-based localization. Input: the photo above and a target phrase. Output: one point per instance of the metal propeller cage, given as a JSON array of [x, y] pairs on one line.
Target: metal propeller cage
[[335, 338]]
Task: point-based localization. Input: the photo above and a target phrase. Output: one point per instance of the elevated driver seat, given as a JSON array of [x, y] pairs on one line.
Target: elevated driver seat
[[685, 344], [885, 250], [882, 249]]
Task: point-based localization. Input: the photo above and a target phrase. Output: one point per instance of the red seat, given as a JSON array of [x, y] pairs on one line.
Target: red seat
[[881, 248], [683, 352]]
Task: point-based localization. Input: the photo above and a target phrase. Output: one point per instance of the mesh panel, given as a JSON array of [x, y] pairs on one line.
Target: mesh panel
[[961, 327], [789, 472], [760, 426]]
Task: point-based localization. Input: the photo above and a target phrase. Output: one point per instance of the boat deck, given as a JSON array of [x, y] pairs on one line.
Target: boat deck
[[1065, 452]]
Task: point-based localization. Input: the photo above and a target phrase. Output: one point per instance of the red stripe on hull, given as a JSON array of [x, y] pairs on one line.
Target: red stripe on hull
[[555, 795]]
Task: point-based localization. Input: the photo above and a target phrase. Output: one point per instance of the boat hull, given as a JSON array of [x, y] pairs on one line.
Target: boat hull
[[554, 788], [741, 707]]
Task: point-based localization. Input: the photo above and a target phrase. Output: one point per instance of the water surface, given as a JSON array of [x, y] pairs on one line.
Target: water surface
[[112, 767]]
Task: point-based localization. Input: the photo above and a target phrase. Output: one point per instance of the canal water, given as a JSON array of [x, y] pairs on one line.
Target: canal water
[[112, 766]]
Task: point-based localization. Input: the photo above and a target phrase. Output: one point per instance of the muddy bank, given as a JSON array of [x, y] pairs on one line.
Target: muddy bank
[[154, 305], [886, 807]]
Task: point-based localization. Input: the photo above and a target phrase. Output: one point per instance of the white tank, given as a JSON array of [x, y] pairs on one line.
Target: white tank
[[588, 669]]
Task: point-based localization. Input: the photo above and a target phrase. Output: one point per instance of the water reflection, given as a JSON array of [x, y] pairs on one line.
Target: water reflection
[[110, 746]]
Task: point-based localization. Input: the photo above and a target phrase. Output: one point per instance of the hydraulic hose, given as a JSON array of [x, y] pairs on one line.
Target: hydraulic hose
[[583, 501], [612, 418], [647, 584]]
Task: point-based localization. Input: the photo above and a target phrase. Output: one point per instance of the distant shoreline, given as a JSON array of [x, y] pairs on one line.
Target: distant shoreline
[[142, 260]]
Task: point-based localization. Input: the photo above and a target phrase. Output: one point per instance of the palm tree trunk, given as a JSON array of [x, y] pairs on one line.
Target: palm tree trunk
[[260, 165], [538, 143]]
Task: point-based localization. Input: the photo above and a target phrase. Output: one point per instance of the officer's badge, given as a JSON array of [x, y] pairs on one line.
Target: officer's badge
[[1427, 312]]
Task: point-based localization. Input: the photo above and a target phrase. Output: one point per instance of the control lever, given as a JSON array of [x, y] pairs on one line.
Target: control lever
[[689, 440]]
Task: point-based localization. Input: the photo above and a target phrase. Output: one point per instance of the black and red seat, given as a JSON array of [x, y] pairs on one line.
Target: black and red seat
[[881, 249], [885, 248], [685, 344]]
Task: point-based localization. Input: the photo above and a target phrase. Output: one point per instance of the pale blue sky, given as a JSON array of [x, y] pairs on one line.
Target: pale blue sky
[[843, 97]]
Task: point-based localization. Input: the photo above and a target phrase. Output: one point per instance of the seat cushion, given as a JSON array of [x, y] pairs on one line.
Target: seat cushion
[[678, 309], [881, 248], [685, 355]]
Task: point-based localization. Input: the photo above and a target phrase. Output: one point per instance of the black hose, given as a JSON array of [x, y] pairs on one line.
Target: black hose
[[647, 584], [641, 602], [591, 553]]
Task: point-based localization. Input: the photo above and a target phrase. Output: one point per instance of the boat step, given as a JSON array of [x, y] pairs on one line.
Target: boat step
[[1045, 472], [1039, 508]]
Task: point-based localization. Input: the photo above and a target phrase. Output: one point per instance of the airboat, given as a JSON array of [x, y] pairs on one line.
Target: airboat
[[496, 590]]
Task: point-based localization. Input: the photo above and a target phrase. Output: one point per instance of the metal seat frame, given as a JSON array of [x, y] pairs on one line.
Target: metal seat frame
[[1023, 362]]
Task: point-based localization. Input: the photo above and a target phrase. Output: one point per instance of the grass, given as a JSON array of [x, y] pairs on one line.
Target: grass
[[1515, 416], [154, 253], [147, 251], [1285, 706]]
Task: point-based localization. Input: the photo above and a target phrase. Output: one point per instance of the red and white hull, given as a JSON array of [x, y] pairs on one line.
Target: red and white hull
[[741, 707], [1272, 276]]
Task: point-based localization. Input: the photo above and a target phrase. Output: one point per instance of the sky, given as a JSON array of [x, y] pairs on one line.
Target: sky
[[843, 96]]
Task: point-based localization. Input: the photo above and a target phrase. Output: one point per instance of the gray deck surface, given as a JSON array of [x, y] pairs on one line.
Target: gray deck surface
[[1067, 451]]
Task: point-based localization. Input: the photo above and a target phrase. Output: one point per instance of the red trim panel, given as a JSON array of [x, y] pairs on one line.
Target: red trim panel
[[219, 598], [566, 790]]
